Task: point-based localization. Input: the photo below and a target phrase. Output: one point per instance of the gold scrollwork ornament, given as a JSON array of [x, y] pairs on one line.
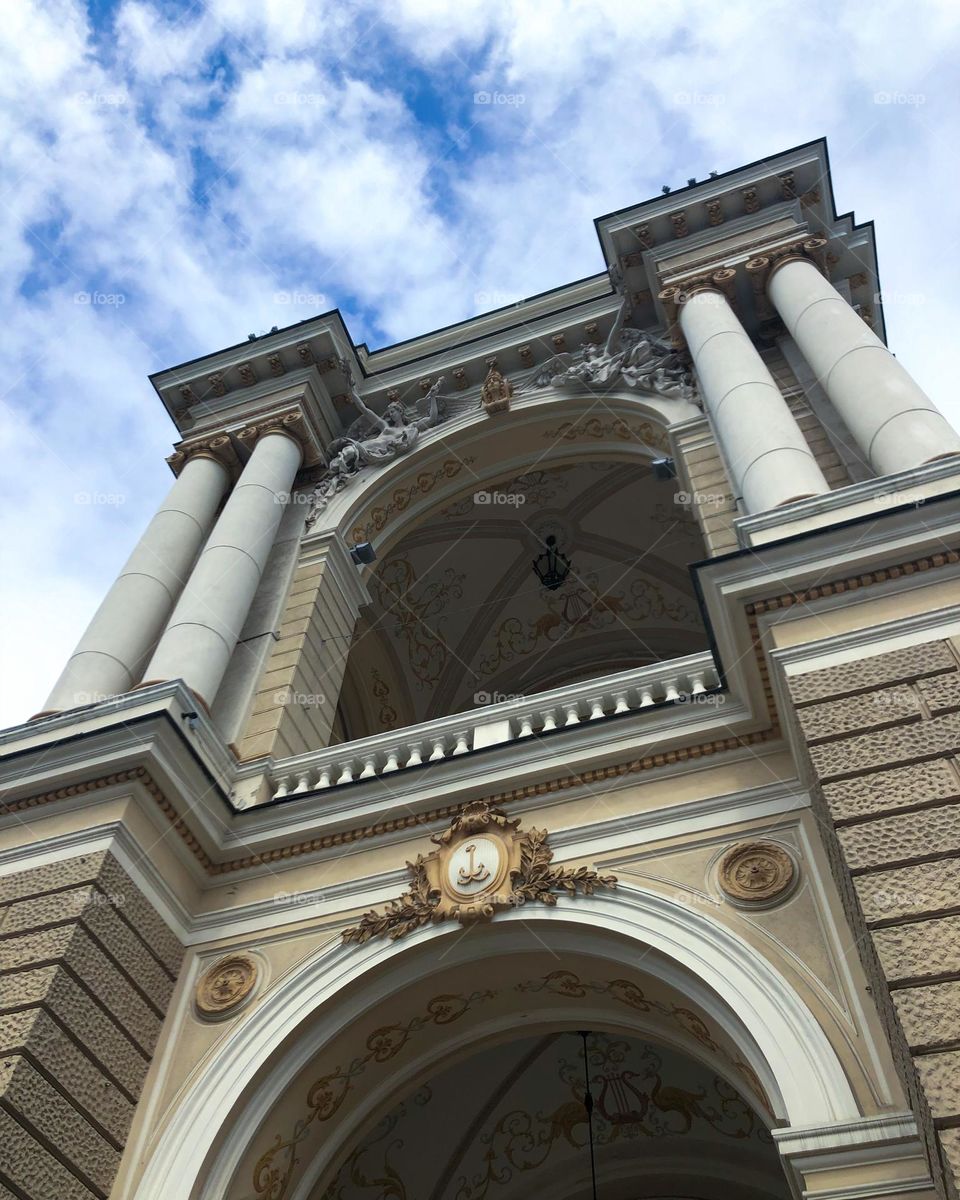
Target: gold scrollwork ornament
[[482, 863]]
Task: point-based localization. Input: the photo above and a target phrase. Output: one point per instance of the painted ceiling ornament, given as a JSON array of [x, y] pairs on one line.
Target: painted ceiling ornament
[[226, 985], [630, 356], [496, 391], [482, 863], [373, 440], [757, 872]]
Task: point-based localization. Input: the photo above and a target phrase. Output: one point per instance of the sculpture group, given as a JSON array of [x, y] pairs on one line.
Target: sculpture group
[[629, 357]]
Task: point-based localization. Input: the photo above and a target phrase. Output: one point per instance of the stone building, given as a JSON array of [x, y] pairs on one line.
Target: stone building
[[564, 703]]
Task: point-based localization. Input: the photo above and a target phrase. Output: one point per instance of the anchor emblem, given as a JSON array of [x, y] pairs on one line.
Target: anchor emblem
[[473, 873]]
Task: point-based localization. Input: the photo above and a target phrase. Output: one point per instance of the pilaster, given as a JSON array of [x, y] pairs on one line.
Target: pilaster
[[295, 703]]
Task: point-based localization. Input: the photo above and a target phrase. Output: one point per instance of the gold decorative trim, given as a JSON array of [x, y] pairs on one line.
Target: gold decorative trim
[[757, 872], [226, 985], [483, 863]]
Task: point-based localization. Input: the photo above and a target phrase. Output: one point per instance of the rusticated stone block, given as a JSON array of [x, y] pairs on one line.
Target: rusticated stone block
[[76, 1012], [950, 1145], [43, 1110], [52, 908], [104, 870], [874, 710], [71, 945], [885, 791], [940, 1078], [902, 837], [880, 670], [51, 877], [32, 1169], [140, 914], [941, 694], [33, 1034], [921, 950], [95, 910], [930, 889], [887, 747], [930, 1015]]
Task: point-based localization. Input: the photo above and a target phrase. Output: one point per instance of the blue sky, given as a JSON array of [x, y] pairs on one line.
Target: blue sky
[[178, 175]]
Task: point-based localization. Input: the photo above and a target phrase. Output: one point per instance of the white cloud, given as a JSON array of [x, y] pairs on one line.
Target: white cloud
[[205, 163]]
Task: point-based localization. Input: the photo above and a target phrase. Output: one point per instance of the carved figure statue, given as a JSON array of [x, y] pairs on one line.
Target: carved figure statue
[[629, 356], [371, 441]]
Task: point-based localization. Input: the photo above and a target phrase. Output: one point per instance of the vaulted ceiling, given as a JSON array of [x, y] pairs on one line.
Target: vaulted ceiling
[[459, 618], [510, 1123]]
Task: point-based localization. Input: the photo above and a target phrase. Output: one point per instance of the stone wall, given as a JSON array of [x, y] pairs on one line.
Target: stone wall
[[87, 968], [882, 735]]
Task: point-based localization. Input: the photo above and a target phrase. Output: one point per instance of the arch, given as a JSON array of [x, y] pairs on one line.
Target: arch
[[747, 997], [455, 610], [618, 426]]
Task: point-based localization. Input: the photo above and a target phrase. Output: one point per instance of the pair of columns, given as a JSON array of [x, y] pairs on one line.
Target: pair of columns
[[174, 615], [894, 422]]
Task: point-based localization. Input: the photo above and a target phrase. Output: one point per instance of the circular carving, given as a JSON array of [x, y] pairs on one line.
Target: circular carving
[[757, 872], [226, 985], [476, 866]]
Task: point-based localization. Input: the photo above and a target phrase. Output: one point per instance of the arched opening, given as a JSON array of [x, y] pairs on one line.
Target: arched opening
[[712, 1033], [513, 1120], [460, 616]]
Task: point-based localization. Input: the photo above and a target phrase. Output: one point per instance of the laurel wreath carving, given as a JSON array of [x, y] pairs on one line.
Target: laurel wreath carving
[[414, 908], [536, 879]]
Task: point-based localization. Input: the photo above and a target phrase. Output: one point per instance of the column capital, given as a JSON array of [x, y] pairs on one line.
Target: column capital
[[811, 250], [291, 424], [219, 447], [674, 296]]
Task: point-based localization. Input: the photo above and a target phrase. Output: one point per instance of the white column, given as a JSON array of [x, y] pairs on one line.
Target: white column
[[124, 630], [766, 452], [894, 422], [203, 631]]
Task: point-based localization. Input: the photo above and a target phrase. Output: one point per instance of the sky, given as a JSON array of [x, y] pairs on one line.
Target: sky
[[178, 175]]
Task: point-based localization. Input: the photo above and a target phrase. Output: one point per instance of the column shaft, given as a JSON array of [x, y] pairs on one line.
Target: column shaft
[[112, 652], [203, 631], [764, 448], [893, 420]]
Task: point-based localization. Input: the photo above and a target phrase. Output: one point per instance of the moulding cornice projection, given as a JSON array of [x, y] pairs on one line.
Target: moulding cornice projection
[[753, 611]]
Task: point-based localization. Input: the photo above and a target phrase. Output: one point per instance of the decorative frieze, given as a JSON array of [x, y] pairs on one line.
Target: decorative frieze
[[217, 384], [751, 200], [496, 391]]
